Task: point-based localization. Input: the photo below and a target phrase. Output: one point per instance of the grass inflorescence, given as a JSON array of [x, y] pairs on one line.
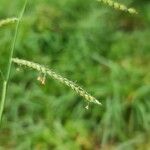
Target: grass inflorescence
[[119, 6], [57, 77], [7, 21]]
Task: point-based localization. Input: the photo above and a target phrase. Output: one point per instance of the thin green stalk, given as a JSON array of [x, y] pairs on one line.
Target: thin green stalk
[[3, 99], [4, 88], [2, 76]]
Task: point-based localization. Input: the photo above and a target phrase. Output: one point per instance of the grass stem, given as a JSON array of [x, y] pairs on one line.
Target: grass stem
[[5, 82]]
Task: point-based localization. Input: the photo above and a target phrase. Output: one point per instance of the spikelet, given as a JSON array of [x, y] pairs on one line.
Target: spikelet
[[119, 6], [55, 76], [8, 21], [42, 79]]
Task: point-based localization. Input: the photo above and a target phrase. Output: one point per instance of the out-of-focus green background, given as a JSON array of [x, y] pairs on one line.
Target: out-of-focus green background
[[104, 50]]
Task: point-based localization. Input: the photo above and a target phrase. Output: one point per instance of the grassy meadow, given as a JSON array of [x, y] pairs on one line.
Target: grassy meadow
[[104, 50]]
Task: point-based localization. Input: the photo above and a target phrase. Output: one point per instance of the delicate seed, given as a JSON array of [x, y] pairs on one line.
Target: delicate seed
[[87, 106], [18, 69], [41, 79]]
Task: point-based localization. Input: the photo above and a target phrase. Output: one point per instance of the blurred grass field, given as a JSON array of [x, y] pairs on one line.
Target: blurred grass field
[[104, 50]]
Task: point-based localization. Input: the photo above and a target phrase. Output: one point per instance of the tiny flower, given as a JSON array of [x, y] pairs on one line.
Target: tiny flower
[[42, 79]]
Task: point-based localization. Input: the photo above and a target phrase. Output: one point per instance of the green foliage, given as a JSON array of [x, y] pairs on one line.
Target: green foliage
[[104, 50]]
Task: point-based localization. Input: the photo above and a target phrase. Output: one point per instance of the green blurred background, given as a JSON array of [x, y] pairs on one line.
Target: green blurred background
[[104, 50]]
